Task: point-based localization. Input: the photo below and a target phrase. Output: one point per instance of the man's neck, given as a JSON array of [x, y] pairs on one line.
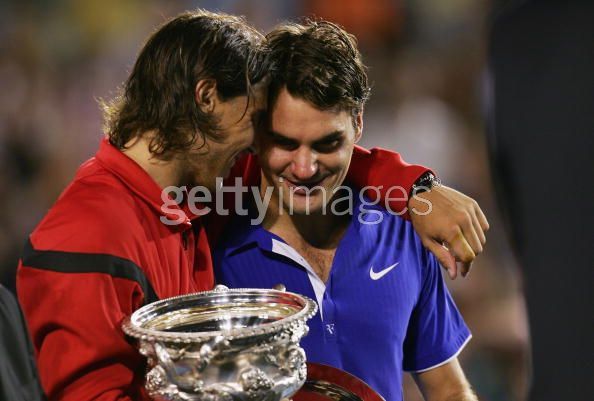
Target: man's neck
[[315, 236], [318, 230], [164, 172]]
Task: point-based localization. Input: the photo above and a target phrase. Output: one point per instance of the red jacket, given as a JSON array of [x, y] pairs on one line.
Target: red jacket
[[101, 252]]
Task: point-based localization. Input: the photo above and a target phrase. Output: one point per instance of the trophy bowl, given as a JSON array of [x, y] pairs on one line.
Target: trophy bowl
[[224, 344]]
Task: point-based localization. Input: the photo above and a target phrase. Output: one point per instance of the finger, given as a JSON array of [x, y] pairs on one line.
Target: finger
[[471, 236], [444, 257], [481, 217], [465, 268], [478, 229], [459, 246]]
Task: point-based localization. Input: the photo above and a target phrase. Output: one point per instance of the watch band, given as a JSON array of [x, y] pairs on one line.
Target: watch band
[[424, 183]]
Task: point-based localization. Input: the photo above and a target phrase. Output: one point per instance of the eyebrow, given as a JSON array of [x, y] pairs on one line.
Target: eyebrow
[[325, 139]]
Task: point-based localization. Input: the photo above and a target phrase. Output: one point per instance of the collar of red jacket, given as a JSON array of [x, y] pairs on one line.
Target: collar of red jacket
[[142, 184]]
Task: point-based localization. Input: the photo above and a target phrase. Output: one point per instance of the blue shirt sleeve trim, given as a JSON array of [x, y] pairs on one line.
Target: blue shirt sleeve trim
[[461, 342]]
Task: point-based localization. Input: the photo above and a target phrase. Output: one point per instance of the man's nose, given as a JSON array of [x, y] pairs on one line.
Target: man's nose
[[305, 164]]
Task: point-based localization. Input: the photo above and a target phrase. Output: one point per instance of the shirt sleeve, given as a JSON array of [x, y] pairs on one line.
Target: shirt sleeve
[[436, 333], [75, 322], [389, 173]]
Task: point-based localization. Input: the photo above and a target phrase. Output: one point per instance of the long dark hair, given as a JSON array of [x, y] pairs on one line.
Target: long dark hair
[[159, 93]]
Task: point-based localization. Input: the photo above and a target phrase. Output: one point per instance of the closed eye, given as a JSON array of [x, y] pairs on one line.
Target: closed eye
[[330, 142], [328, 146], [282, 141]]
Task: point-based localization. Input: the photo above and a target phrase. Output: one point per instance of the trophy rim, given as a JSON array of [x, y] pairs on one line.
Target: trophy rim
[[131, 324]]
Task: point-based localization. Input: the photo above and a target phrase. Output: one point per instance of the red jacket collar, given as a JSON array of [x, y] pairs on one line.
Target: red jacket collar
[[141, 183]]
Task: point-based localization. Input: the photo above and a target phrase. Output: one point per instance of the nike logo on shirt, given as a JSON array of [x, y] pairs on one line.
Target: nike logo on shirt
[[381, 273]]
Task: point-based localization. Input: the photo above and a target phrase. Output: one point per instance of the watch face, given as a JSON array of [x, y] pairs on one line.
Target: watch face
[[326, 383]]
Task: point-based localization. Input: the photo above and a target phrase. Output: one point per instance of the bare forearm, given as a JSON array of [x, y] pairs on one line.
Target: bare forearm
[[450, 394], [445, 383], [467, 395], [444, 393]]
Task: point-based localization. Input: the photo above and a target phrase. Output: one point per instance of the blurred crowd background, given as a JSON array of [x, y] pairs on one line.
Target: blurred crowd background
[[426, 63]]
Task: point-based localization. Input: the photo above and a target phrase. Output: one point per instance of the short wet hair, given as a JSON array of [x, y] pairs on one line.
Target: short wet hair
[[319, 62]]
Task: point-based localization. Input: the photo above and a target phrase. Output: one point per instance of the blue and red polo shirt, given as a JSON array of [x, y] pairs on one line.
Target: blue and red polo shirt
[[385, 307]]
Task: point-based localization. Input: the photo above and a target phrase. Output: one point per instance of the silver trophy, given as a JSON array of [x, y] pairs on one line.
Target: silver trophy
[[224, 345]]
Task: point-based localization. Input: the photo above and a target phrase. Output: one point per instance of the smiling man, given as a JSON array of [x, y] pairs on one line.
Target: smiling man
[[383, 304]]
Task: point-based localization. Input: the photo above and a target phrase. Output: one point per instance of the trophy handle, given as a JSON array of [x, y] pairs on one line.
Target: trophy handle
[[163, 356], [210, 349]]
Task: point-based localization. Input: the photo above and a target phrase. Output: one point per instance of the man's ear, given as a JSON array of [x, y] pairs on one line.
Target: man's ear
[[358, 126], [205, 94]]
